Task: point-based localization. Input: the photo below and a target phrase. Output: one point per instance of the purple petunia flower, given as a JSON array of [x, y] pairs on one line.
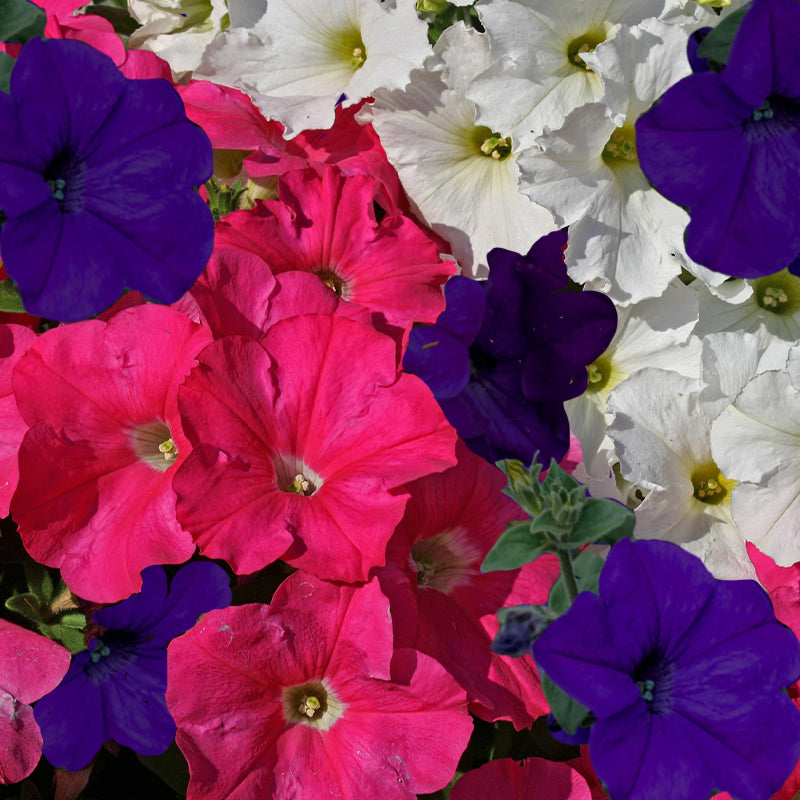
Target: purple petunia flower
[[507, 352], [116, 690], [97, 182], [683, 674], [727, 146]]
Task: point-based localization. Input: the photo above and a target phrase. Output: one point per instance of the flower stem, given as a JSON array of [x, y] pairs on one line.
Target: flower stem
[[567, 573]]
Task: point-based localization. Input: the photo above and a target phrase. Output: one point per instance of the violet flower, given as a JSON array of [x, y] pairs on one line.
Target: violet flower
[[97, 182], [727, 146], [684, 675], [507, 352], [116, 690]]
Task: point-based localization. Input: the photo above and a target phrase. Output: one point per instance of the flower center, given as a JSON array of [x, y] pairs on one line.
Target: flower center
[[778, 293], [295, 477], [583, 44], [710, 485], [333, 281], [445, 561], [312, 704], [599, 374], [491, 144], [101, 651], [350, 48], [778, 116], [653, 676], [65, 177], [621, 147], [153, 444]]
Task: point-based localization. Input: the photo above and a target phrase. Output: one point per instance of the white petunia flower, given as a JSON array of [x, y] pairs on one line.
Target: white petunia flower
[[539, 72], [462, 178], [302, 56], [757, 441], [178, 30], [652, 333], [661, 432], [625, 238]]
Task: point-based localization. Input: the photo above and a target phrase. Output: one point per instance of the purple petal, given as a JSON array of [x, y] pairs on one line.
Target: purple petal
[[466, 306], [439, 359]]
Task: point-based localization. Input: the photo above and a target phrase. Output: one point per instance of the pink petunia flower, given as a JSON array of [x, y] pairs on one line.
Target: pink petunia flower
[[30, 667], [451, 522], [326, 224], [95, 496], [307, 698], [531, 779], [14, 341], [302, 444]]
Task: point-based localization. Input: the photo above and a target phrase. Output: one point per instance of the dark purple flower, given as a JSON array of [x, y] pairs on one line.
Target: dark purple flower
[[727, 146], [116, 690], [684, 675], [697, 63], [97, 181], [507, 352]]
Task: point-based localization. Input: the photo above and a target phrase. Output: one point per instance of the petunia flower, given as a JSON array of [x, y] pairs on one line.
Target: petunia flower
[[116, 689], [683, 674], [508, 351], [97, 180], [727, 145], [30, 666], [308, 697]]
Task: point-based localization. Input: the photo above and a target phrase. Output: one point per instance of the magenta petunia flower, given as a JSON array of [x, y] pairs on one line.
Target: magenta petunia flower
[[452, 520], [302, 444], [307, 698], [531, 779], [95, 496], [326, 224], [30, 667], [14, 341]]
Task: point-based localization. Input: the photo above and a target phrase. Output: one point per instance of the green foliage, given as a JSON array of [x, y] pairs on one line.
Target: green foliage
[[20, 21], [222, 199], [563, 518], [440, 15], [9, 297], [717, 45], [569, 713], [50, 607]]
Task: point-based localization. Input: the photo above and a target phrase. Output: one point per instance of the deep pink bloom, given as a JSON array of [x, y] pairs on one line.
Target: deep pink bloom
[[451, 522], [30, 667], [14, 341], [307, 698], [238, 295], [531, 779], [95, 496], [326, 224], [302, 444]]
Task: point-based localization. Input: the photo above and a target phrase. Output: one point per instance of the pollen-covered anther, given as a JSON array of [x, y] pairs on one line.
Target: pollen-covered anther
[[300, 484], [621, 146], [595, 376], [154, 445], [774, 297], [710, 485], [309, 705], [763, 112], [359, 57], [496, 147], [312, 703]]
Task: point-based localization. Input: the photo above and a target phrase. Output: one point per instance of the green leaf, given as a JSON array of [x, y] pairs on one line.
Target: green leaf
[[20, 21], [122, 22], [26, 605], [600, 521], [716, 46], [69, 636], [569, 713], [39, 581], [9, 298], [6, 64], [515, 548], [170, 766]]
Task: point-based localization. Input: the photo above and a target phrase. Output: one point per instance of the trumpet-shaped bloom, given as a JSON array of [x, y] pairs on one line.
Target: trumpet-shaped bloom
[[97, 178], [684, 675], [302, 445], [508, 351], [307, 697], [727, 145], [116, 689]]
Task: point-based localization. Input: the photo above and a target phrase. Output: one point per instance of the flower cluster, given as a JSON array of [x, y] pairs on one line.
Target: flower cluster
[[401, 398]]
